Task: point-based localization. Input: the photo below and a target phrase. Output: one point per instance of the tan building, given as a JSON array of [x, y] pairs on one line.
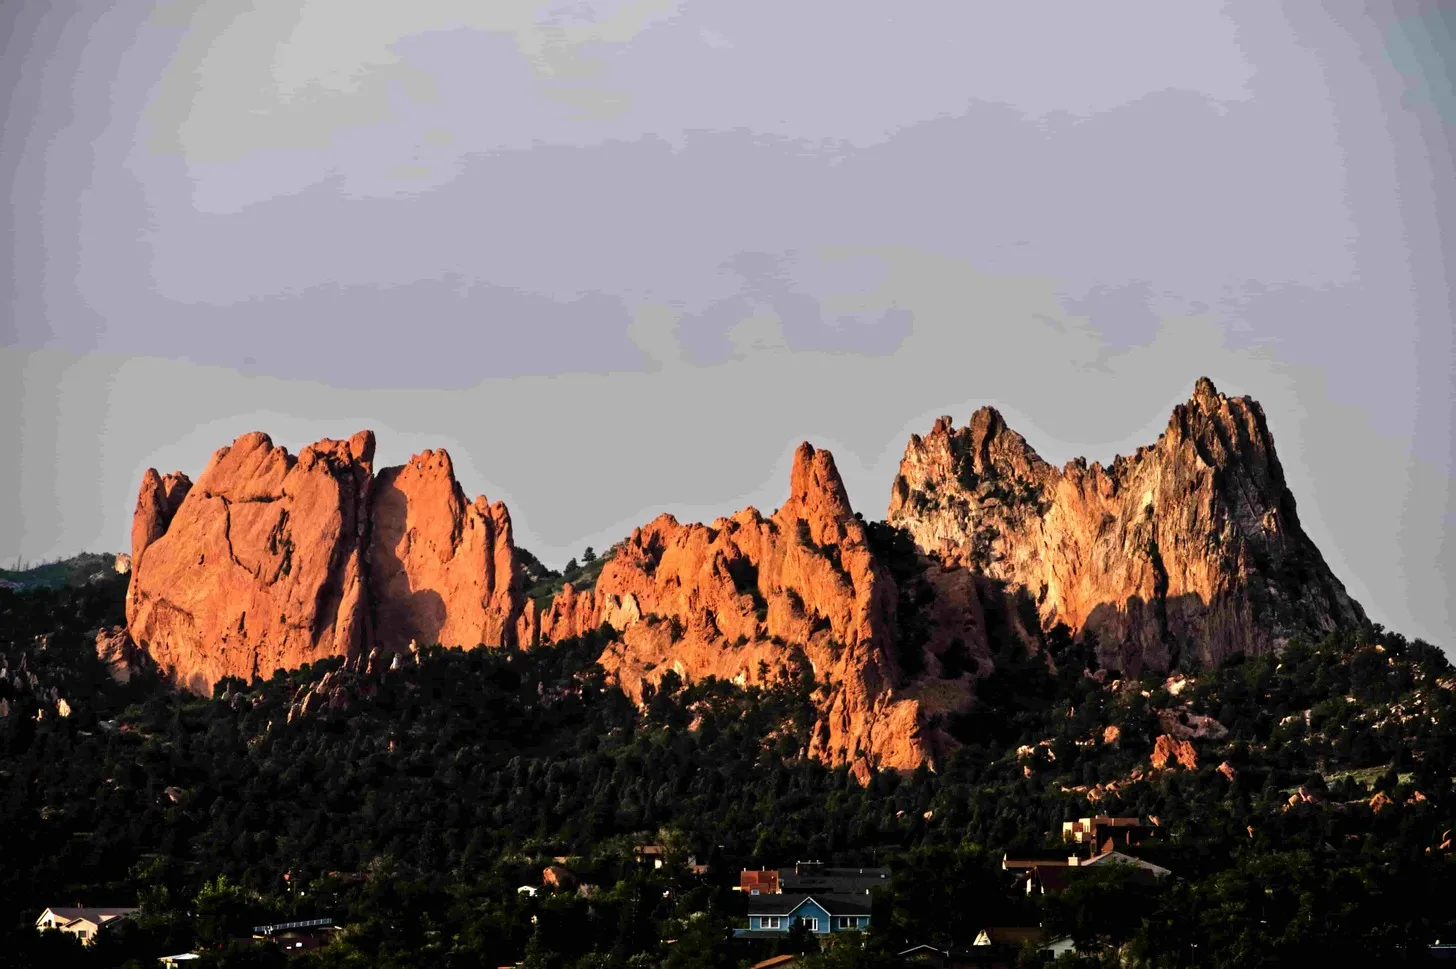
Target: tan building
[[1104, 833], [80, 921]]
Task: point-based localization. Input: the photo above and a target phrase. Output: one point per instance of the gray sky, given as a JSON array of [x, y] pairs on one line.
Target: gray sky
[[620, 258]]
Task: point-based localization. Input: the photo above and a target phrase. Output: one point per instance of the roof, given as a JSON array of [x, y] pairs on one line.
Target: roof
[[783, 960], [833, 903], [753, 878], [324, 923], [1118, 858], [93, 914], [1010, 935], [1053, 879], [1034, 857], [818, 878]]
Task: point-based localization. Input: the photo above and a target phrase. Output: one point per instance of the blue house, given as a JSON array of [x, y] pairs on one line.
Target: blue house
[[773, 915]]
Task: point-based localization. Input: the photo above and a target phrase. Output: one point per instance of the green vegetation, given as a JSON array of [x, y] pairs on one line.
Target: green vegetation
[[413, 812], [76, 570], [542, 583]]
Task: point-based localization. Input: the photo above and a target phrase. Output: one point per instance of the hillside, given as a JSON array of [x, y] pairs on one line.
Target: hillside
[[1312, 823]]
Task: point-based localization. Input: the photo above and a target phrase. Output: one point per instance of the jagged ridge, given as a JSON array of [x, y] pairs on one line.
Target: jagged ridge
[[1189, 548]]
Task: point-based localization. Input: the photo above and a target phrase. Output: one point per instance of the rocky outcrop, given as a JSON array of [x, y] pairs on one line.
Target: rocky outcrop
[[741, 598], [118, 653], [157, 503], [259, 566], [441, 569], [1190, 547], [272, 561], [1168, 750]]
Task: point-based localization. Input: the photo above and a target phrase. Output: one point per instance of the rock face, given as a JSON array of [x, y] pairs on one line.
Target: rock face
[[441, 569], [1168, 749], [1189, 548], [259, 566], [272, 561], [737, 599], [118, 653]]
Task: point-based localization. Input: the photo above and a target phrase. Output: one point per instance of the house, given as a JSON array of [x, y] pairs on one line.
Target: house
[[296, 938], [1053, 877], [1012, 936], [81, 921], [1104, 833], [1118, 858], [773, 916], [1025, 860], [753, 882], [1058, 945], [650, 855], [924, 955], [814, 877]]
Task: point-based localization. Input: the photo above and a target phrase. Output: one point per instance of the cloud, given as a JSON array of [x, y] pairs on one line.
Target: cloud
[[283, 74]]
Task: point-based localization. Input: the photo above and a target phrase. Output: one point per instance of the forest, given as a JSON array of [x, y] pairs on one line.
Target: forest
[[411, 804]]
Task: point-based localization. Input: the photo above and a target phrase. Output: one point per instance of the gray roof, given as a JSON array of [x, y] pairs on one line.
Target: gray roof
[[97, 914], [832, 902], [836, 880]]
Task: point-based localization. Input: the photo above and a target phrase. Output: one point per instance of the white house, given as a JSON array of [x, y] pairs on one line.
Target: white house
[[82, 922]]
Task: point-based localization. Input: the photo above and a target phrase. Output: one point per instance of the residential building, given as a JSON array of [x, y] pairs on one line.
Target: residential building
[[81, 921], [1118, 858], [752, 882], [771, 916], [924, 955], [1053, 876], [1105, 833], [296, 938], [813, 877]]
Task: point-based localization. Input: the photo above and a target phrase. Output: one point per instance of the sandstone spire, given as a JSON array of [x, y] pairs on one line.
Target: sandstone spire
[[441, 569], [1190, 547], [260, 566], [272, 561], [739, 598]]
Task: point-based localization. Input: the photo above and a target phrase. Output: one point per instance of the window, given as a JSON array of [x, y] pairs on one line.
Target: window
[[846, 922], [755, 891], [771, 922], [811, 922]]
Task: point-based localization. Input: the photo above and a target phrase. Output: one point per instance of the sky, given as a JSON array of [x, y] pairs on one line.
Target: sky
[[620, 258]]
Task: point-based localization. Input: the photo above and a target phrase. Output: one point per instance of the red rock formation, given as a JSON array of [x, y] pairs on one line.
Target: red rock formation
[[1168, 748], [441, 569], [118, 653], [1190, 546], [736, 599], [260, 564]]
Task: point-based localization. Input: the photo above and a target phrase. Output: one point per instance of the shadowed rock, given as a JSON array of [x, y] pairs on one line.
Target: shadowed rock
[[1190, 548]]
